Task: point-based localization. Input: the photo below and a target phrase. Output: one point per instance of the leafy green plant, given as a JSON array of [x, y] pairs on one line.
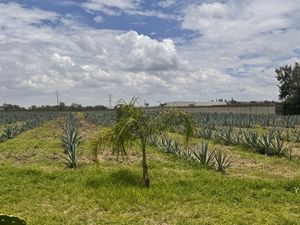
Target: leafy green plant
[[251, 139], [289, 122], [11, 131], [222, 162], [226, 136], [237, 138], [290, 154], [169, 145], [280, 134], [186, 154], [264, 143], [278, 147], [203, 156], [288, 135], [70, 141], [153, 140], [3, 137], [206, 133], [133, 124], [296, 135]]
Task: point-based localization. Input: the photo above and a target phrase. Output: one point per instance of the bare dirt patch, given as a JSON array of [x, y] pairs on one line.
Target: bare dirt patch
[[87, 128], [295, 147], [260, 168], [108, 155]]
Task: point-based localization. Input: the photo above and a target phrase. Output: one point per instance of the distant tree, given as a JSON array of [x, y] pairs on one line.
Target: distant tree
[[10, 107], [289, 83], [33, 107], [100, 107], [62, 105], [232, 101]]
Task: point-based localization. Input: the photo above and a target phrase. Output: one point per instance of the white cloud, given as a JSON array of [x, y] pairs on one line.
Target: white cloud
[[246, 39], [111, 7], [98, 19], [166, 3], [138, 52], [62, 60], [69, 56], [236, 21], [14, 12], [130, 7], [235, 56]]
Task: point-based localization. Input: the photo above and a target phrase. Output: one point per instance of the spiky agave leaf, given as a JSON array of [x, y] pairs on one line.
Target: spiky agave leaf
[[226, 136], [222, 162], [278, 147], [203, 156], [251, 139], [71, 139], [264, 143]]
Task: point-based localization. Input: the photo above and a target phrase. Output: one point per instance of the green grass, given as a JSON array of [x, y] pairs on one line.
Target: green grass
[[36, 185]]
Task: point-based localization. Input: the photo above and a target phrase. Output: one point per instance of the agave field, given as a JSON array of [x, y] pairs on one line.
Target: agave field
[[12, 124], [263, 134], [236, 169]]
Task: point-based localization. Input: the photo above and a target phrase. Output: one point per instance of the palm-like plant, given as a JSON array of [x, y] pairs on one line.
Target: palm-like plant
[[135, 125]]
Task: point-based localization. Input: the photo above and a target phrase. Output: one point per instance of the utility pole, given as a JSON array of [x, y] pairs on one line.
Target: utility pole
[[57, 101], [110, 101]]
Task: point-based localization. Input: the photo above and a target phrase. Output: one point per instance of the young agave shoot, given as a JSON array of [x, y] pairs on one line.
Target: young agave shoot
[[222, 162], [203, 156], [71, 140]]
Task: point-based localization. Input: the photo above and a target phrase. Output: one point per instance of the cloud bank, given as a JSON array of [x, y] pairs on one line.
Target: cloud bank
[[234, 52]]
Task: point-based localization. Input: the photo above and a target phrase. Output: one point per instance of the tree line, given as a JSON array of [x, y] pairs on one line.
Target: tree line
[[61, 107], [289, 87]]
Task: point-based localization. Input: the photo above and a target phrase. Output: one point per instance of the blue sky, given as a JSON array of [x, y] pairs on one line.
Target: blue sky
[[160, 50], [152, 26]]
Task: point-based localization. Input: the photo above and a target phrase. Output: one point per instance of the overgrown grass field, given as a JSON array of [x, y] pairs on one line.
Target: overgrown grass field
[[37, 186]]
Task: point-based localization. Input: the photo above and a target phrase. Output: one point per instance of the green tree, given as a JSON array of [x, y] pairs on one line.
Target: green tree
[[289, 83], [134, 124]]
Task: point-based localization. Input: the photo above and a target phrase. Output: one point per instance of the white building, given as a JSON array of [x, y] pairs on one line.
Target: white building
[[192, 103]]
